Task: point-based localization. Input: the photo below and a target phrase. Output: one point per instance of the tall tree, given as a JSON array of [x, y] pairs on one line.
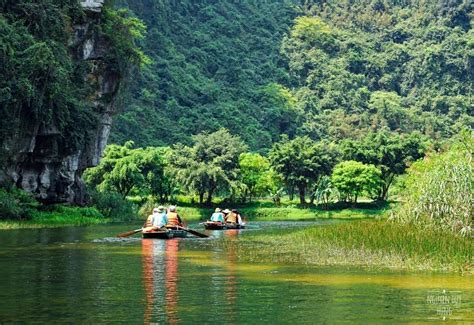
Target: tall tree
[[254, 170], [211, 164], [353, 178], [123, 169], [391, 152], [301, 161]]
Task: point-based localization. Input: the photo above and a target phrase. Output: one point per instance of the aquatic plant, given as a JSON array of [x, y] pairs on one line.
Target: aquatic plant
[[367, 243], [439, 189]]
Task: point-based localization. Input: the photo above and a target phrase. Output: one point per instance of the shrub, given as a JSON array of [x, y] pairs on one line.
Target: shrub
[[353, 178], [147, 208], [16, 204], [112, 205]]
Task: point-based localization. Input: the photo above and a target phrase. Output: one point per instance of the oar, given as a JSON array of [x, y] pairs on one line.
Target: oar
[[129, 233], [194, 232]]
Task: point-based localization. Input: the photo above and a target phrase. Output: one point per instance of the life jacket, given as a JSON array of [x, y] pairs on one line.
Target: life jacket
[[232, 217], [149, 221], [173, 219]]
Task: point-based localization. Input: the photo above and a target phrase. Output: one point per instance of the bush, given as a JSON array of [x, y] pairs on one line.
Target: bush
[[87, 212], [353, 178], [16, 204], [113, 206], [147, 207]]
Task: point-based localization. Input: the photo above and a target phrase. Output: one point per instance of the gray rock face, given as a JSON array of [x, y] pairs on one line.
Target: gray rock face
[[35, 160], [92, 5]]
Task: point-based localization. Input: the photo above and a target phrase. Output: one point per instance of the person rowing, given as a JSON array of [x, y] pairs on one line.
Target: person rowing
[[226, 214], [234, 217], [173, 218]]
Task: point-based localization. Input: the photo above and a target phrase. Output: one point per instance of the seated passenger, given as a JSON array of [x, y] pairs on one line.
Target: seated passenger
[[160, 219], [234, 217], [155, 220], [173, 218], [148, 226], [217, 216], [226, 214]]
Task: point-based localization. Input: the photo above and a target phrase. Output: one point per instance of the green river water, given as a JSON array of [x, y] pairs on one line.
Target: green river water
[[85, 275]]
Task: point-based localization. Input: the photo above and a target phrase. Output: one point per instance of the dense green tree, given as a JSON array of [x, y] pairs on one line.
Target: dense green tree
[[112, 154], [386, 111], [391, 152], [353, 178], [123, 169], [210, 165], [301, 162], [153, 163], [255, 175], [125, 176]]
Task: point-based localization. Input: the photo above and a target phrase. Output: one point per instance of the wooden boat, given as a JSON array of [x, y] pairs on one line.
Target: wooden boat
[[166, 234], [215, 225]]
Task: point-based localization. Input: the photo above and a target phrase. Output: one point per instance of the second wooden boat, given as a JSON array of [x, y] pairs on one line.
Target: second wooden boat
[[213, 225]]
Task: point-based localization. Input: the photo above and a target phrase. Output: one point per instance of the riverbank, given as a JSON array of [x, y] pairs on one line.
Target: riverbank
[[367, 243], [58, 216], [62, 216], [265, 211]]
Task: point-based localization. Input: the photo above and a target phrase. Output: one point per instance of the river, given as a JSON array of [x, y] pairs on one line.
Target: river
[[85, 275]]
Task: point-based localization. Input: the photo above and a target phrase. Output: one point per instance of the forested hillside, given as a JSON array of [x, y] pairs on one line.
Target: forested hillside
[[214, 65], [327, 69]]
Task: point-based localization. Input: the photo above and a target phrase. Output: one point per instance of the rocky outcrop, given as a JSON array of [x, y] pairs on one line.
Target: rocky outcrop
[[36, 160], [92, 5]]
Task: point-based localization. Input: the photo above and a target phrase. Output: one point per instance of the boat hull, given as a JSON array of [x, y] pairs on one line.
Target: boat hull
[[221, 226], [171, 233]]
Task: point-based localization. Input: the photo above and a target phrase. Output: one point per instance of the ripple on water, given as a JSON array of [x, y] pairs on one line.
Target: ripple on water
[[86, 275]]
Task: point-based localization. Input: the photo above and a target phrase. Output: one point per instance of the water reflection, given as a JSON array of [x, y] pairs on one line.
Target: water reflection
[[67, 276], [160, 278], [231, 277]]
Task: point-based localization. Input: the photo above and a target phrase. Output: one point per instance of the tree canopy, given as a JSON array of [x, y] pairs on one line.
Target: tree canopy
[[301, 161], [210, 165], [391, 152], [353, 178]]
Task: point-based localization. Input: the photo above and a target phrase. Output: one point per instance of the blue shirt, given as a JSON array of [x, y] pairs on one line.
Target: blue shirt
[[159, 219], [217, 216]]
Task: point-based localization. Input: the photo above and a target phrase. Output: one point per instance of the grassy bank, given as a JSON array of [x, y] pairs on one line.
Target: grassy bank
[[59, 216], [363, 243], [264, 211]]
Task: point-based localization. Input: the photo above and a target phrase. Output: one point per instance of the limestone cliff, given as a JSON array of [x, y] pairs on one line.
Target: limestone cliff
[[36, 155]]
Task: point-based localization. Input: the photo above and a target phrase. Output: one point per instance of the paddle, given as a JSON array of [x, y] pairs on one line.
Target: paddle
[[194, 232], [129, 233]]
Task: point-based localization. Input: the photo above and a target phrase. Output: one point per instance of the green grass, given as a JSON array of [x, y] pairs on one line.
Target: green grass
[[263, 211], [364, 243], [308, 214], [59, 216]]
